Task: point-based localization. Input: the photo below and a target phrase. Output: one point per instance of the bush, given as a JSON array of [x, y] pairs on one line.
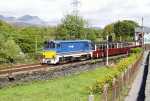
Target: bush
[[136, 50], [114, 72]]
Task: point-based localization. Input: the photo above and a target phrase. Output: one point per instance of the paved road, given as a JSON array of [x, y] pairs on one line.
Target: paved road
[[136, 86]]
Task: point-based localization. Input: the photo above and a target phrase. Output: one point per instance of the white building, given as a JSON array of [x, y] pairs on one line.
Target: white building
[[142, 35]]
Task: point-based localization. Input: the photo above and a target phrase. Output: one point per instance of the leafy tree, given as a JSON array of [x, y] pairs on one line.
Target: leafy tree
[[28, 38], [72, 27], [11, 50], [91, 34], [5, 27], [109, 30], [125, 29]]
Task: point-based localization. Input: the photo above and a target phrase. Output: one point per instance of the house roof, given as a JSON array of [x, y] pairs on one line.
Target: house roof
[[142, 29]]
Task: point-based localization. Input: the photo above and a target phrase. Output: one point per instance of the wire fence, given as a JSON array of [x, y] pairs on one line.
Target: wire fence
[[120, 85]]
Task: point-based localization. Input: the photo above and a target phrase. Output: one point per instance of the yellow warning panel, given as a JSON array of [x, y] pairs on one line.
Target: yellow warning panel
[[49, 54]]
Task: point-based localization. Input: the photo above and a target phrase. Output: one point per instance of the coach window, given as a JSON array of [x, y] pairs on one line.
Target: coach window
[[116, 45], [112, 45], [100, 46], [121, 45]]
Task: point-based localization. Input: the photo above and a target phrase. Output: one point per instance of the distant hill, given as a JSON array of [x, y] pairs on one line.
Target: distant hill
[[25, 20]]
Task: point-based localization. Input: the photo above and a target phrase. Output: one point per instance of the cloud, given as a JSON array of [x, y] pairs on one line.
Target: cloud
[[116, 10], [98, 12]]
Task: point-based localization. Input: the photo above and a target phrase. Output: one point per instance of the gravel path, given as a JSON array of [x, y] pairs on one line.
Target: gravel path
[[136, 86]]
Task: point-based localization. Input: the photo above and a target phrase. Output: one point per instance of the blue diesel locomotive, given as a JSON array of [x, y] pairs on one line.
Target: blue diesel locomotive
[[60, 50]]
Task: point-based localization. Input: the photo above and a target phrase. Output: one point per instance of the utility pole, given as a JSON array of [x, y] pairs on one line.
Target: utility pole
[[107, 48], [75, 5], [35, 44], [142, 32]]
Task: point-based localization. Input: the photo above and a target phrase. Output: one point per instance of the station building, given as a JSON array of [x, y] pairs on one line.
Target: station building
[[142, 35]]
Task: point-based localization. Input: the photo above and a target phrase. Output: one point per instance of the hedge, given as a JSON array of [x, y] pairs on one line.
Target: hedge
[[114, 71]]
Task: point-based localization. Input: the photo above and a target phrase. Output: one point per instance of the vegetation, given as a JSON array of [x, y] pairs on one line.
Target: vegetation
[[70, 88], [72, 27], [121, 30], [22, 43], [27, 41], [114, 72], [125, 29]]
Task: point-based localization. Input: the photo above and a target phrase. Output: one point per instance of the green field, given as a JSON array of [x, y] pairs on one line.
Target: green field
[[71, 88]]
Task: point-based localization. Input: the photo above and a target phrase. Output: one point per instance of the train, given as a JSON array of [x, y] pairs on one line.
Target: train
[[60, 51]]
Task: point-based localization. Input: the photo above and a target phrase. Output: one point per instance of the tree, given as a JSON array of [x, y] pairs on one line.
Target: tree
[[6, 27], [72, 27], [125, 29], [9, 50], [91, 34], [109, 30]]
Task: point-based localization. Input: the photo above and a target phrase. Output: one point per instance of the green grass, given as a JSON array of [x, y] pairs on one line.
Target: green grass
[[71, 88]]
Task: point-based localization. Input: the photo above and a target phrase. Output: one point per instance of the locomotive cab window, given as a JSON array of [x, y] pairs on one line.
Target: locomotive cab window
[[93, 46], [45, 44], [49, 44], [58, 45]]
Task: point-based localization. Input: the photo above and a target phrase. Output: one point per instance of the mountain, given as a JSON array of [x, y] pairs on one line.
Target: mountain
[[24, 20], [2, 17], [33, 20]]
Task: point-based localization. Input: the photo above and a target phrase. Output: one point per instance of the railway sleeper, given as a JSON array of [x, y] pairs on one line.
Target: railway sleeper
[[11, 78]]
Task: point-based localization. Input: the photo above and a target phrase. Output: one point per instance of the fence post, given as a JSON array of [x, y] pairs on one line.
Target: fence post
[[91, 98], [105, 92], [114, 90], [126, 77], [122, 80], [129, 74]]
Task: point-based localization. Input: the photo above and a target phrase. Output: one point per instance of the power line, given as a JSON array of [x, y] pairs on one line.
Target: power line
[[75, 5]]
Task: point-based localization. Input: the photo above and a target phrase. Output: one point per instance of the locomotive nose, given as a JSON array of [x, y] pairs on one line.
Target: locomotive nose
[[49, 54]]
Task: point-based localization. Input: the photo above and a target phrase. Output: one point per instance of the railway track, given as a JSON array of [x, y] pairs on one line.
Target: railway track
[[10, 72], [19, 69], [16, 66]]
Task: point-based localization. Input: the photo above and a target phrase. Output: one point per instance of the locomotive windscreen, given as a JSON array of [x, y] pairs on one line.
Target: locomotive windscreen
[[49, 44]]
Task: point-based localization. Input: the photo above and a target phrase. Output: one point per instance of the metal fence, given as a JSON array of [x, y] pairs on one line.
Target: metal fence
[[121, 85]]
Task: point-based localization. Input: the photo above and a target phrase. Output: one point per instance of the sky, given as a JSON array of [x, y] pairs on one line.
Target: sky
[[97, 12]]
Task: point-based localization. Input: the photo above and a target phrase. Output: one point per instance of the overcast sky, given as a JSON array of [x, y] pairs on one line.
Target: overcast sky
[[97, 12]]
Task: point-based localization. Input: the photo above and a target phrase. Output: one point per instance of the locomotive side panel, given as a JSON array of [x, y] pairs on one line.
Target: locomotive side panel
[[73, 46], [67, 51]]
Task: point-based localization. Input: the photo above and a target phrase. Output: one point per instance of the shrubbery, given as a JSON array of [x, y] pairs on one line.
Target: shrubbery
[[114, 71], [136, 50]]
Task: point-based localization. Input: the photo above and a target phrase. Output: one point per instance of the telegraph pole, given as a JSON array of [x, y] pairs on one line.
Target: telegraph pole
[[142, 32], [75, 5], [35, 44], [107, 48]]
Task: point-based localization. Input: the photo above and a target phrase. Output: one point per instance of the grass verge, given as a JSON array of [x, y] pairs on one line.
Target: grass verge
[[71, 88]]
